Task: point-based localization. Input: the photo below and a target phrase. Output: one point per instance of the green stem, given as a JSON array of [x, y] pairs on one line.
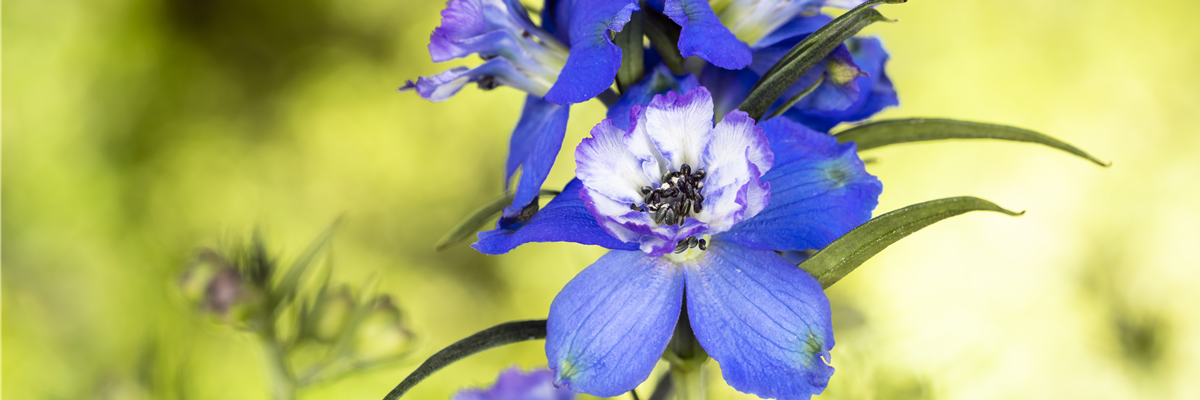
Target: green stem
[[689, 383], [687, 360], [283, 386]]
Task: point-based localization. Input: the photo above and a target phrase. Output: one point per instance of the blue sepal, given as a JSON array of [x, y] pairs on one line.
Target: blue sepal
[[610, 324], [704, 36], [594, 58], [564, 219], [766, 322], [819, 191], [875, 89], [533, 147]]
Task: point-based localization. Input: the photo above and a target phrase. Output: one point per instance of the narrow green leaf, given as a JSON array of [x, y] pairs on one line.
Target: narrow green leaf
[[291, 281], [473, 222], [632, 52], [496, 336], [882, 133], [846, 253], [807, 54], [795, 99]]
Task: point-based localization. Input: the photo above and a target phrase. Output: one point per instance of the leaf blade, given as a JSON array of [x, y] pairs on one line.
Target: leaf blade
[[474, 221], [845, 254], [499, 335], [882, 133]]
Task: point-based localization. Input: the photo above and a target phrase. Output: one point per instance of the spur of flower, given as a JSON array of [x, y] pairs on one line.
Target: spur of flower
[[696, 215]]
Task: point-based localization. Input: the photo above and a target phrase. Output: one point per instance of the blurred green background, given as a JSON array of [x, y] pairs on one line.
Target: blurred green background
[[135, 131]]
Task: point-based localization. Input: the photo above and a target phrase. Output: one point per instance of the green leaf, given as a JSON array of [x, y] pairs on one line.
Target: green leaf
[[807, 54], [846, 253], [632, 52], [287, 287], [795, 99], [496, 336], [473, 222], [882, 133]]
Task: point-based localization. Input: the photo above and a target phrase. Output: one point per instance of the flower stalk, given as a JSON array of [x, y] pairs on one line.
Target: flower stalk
[[283, 385], [687, 360]]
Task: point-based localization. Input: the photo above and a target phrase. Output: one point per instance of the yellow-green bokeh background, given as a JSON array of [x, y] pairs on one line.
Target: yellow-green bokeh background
[[135, 131]]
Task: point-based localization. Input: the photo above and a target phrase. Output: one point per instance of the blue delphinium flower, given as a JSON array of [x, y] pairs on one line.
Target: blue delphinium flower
[[692, 208], [568, 61], [853, 84], [514, 384], [723, 31]]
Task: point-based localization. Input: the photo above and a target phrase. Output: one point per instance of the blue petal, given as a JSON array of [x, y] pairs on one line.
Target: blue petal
[[819, 191], [875, 87], [703, 34], [659, 81], [611, 323], [564, 219], [514, 384], [533, 146], [594, 59], [764, 320]]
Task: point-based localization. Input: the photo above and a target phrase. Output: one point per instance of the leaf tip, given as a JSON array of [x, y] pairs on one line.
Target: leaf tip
[[1010, 213]]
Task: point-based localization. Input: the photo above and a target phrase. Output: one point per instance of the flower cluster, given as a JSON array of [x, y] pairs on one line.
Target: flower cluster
[[696, 199]]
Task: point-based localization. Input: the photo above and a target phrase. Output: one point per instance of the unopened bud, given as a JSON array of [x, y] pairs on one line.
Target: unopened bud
[[216, 286], [331, 314], [382, 333]]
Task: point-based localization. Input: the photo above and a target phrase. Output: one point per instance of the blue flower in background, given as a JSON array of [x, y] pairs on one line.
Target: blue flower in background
[[513, 384], [722, 31], [853, 84], [570, 60], [692, 208]]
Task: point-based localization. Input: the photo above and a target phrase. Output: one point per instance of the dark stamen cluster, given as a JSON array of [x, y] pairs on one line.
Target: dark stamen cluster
[[690, 242], [675, 200]]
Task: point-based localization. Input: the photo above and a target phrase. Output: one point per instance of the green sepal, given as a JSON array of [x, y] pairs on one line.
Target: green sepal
[[882, 133], [473, 222], [846, 253], [496, 336], [807, 54]]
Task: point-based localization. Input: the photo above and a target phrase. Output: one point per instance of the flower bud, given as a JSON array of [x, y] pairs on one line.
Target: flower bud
[[216, 287], [382, 334], [330, 315]]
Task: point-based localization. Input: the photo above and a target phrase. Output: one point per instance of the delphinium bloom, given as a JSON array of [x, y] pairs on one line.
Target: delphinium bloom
[[849, 85], [514, 384], [702, 210], [569, 59], [723, 31]]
